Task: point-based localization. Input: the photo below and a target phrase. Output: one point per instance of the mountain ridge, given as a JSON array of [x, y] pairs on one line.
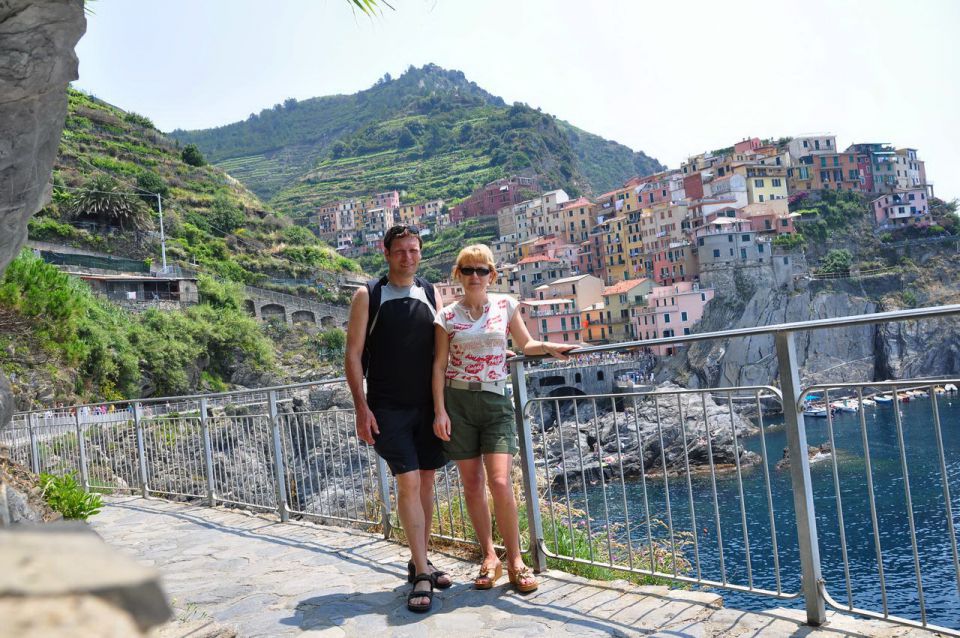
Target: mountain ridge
[[293, 154]]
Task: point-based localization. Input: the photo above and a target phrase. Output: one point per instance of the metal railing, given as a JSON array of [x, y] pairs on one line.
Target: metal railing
[[681, 485]]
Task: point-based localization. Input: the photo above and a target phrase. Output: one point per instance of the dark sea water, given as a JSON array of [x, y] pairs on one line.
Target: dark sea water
[[939, 581]]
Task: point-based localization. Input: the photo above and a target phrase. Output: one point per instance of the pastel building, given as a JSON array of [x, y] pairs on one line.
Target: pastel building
[[902, 208], [535, 271], [671, 311], [621, 302], [729, 240], [592, 328], [585, 290], [555, 320]]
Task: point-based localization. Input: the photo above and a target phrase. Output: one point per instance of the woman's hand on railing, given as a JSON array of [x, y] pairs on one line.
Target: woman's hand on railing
[[441, 425]]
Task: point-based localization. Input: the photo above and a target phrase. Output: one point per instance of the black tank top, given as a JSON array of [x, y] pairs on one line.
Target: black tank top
[[401, 349]]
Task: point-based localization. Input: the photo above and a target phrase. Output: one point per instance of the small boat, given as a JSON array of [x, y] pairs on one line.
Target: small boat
[[883, 398], [950, 388], [844, 406], [939, 390], [820, 413], [920, 394], [868, 402]]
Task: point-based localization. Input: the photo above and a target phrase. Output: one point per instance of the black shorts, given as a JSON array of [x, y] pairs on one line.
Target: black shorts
[[406, 440]]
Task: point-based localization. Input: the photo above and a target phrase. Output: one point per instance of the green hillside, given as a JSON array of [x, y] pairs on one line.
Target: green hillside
[[430, 133], [212, 222]]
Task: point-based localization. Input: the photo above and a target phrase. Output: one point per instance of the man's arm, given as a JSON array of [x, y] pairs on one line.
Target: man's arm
[[352, 362]]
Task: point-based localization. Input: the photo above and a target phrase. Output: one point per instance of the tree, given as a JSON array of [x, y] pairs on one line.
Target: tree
[[338, 150], [192, 155], [152, 185], [109, 202], [225, 216], [837, 261], [406, 139]]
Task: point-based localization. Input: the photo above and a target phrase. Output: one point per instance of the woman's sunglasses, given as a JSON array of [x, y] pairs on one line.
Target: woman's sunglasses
[[466, 271]]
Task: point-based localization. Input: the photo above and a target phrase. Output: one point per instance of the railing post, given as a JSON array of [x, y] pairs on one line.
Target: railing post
[[207, 452], [34, 447], [281, 479], [141, 449], [383, 477], [81, 445], [528, 467], [810, 577]]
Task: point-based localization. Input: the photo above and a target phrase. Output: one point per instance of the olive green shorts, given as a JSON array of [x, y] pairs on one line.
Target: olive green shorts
[[480, 423]]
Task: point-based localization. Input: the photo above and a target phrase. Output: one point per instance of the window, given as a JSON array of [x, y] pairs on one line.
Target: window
[[758, 183], [744, 237], [786, 261], [703, 296], [784, 222], [743, 253], [599, 375], [716, 253], [836, 160], [666, 317], [759, 248], [566, 337], [806, 144], [543, 326], [683, 316], [761, 198], [823, 162], [730, 238]]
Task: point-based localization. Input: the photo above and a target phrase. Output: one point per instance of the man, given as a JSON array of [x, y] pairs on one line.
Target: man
[[391, 325]]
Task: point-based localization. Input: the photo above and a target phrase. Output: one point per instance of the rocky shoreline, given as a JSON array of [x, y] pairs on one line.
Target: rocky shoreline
[[645, 436]]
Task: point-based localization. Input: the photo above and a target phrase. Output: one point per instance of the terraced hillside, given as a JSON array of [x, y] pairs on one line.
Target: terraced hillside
[[430, 133], [213, 222]]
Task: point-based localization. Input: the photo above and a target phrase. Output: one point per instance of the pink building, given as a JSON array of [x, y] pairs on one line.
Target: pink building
[[902, 208], [555, 320], [389, 200], [449, 291], [671, 311]]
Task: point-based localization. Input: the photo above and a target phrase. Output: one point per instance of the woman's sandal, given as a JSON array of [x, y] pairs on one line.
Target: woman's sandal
[[436, 575], [421, 608], [517, 576], [484, 580]]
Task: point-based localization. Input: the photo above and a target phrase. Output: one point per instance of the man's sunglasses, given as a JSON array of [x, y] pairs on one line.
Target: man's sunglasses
[[466, 271]]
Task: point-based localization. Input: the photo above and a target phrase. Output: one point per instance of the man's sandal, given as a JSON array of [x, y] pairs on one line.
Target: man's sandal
[[485, 580], [436, 575], [518, 576], [421, 608]]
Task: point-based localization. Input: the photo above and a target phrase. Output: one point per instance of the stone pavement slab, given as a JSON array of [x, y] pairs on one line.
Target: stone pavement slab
[[266, 578]]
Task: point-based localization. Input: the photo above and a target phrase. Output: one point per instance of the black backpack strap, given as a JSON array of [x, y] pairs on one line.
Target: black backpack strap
[[375, 292], [428, 290]]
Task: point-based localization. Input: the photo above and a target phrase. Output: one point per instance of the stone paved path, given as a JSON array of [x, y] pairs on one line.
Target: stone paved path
[[267, 578]]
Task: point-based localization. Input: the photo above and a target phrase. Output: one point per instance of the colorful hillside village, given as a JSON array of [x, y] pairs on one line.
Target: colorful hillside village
[[636, 262]]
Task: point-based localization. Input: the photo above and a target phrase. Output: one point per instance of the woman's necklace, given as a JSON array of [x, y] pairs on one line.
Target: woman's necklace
[[471, 311]]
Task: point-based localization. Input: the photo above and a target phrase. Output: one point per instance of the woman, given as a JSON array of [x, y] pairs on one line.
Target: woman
[[473, 414]]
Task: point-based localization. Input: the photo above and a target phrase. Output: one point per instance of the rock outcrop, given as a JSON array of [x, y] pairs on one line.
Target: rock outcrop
[[592, 445], [37, 62], [854, 354]]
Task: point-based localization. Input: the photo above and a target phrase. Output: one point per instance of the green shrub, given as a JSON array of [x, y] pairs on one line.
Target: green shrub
[[139, 120], [66, 496], [789, 242], [192, 155]]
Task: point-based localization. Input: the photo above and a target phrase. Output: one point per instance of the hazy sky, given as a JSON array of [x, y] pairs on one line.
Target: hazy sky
[[670, 79]]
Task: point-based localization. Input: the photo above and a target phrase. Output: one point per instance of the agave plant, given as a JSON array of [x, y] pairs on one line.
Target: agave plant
[[110, 203]]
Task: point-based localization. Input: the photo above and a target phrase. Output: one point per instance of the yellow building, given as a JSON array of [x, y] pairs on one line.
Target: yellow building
[[592, 328], [764, 183], [408, 215], [621, 302], [612, 246]]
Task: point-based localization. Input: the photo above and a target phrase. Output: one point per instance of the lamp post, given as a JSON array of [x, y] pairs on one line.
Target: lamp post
[[163, 241]]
